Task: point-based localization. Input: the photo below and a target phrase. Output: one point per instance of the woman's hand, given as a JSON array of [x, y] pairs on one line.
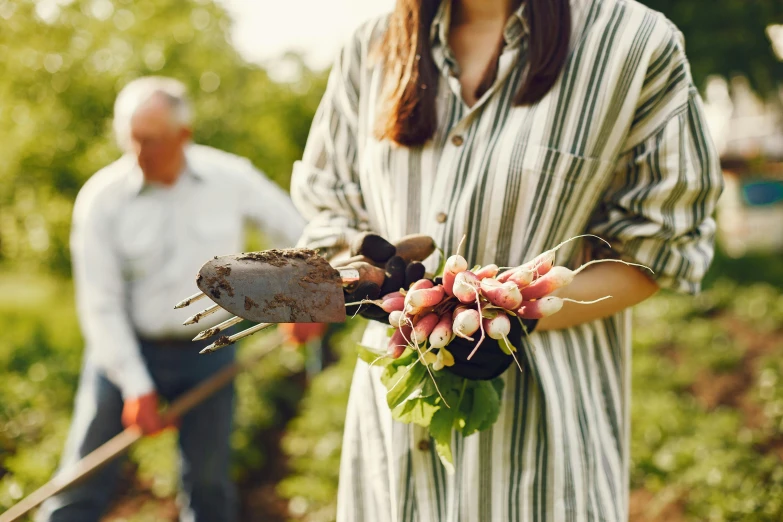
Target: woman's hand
[[627, 285], [396, 273], [490, 360]]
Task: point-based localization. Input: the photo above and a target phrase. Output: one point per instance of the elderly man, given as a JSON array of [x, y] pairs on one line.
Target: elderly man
[[142, 227]]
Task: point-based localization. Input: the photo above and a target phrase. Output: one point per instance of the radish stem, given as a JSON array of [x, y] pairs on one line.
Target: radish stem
[[568, 300], [594, 261], [481, 325], [513, 355], [524, 329]]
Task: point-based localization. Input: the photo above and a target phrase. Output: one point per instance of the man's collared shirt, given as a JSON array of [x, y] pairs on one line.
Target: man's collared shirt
[[137, 247]]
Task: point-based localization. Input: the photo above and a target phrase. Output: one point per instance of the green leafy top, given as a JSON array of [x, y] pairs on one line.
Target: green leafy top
[[440, 401]]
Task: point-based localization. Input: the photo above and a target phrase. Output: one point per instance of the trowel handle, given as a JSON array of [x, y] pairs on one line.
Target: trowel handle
[[413, 247], [348, 275]]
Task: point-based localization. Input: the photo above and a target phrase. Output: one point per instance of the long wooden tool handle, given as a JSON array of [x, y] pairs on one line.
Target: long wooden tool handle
[[117, 445]]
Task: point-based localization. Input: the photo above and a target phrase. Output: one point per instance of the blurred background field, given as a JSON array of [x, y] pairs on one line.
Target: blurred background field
[[707, 415]]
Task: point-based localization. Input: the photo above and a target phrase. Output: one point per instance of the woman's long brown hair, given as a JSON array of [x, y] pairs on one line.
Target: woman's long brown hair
[[407, 114]]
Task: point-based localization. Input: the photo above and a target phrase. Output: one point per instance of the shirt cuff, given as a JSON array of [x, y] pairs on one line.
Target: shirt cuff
[[134, 380]]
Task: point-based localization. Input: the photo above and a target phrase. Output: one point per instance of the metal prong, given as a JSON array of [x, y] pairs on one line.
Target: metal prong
[[192, 299], [209, 332], [226, 340], [193, 319]]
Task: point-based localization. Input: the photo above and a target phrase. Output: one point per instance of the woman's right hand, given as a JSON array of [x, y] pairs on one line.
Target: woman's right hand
[[397, 273]]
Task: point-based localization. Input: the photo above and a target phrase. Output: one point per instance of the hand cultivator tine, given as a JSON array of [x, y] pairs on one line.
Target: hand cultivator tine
[[209, 332], [224, 341], [192, 299], [193, 319]]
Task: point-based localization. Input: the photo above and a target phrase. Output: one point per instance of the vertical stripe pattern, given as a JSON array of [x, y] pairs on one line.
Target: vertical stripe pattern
[[618, 148]]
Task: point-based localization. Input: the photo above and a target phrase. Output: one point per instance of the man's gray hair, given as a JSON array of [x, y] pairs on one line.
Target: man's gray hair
[[137, 93]]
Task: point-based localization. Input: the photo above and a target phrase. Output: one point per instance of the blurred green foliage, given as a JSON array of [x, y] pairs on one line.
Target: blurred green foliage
[[63, 63], [40, 356], [728, 38], [700, 434], [314, 438]]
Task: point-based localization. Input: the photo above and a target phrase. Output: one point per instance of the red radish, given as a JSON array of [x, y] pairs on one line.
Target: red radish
[[457, 309], [560, 276], [506, 274], [425, 297], [442, 334], [549, 305], [399, 341], [391, 295], [522, 277], [487, 271], [541, 264], [466, 286], [412, 311], [505, 295], [424, 327], [540, 308], [497, 327], [454, 265], [466, 322], [421, 284], [398, 318], [393, 304], [537, 267], [556, 278]]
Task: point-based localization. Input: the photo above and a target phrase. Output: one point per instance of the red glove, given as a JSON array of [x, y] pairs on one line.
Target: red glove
[[301, 333], [142, 412]]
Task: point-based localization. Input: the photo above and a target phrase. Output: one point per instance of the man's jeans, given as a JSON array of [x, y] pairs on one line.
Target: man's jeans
[[208, 495]]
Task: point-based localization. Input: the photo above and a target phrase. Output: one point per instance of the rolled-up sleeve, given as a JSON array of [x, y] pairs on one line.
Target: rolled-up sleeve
[[324, 184], [658, 209]]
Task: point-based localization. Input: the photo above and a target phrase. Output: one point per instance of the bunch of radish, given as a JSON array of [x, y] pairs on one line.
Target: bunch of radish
[[474, 303]]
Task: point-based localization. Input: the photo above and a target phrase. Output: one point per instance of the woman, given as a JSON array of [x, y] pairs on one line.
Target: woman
[[517, 126]]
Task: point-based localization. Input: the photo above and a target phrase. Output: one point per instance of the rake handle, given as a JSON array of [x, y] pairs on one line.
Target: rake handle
[[117, 445]]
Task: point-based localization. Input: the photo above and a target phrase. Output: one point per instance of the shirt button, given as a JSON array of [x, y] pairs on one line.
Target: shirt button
[[457, 140], [441, 217], [424, 445]]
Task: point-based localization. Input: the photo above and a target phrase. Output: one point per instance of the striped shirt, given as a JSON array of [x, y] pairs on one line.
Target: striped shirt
[[617, 148]]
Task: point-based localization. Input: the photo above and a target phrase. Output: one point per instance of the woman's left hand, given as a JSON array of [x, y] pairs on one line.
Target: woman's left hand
[[490, 360]]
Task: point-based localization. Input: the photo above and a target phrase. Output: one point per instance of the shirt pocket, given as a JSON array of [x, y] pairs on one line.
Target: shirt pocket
[[142, 243], [560, 166], [558, 191], [571, 177], [219, 232]]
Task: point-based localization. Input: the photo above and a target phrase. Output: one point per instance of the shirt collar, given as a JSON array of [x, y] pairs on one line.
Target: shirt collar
[[516, 26], [439, 30], [139, 185]]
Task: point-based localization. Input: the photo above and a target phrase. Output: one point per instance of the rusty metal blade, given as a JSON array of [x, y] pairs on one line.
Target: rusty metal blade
[[193, 319], [275, 286], [224, 341], [192, 299], [209, 332]]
